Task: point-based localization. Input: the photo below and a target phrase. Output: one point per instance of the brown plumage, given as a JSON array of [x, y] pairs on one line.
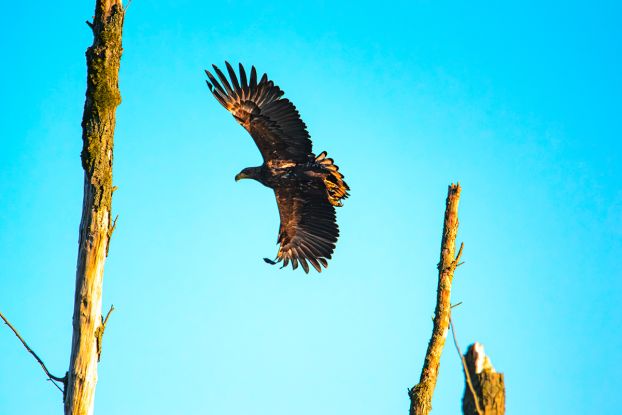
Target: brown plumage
[[307, 187]]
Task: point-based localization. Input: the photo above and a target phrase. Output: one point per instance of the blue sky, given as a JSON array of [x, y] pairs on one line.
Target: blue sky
[[519, 101]]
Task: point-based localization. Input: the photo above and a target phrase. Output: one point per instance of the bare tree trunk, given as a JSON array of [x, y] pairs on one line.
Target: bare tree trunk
[[421, 394], [489, 385], [98, 124]]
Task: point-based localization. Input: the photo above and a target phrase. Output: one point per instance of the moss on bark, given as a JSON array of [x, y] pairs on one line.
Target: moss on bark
[[102, 98]]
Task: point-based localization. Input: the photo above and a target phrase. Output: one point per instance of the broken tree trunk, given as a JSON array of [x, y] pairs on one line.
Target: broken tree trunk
[[489, 385], [98, 124], [421, 394]]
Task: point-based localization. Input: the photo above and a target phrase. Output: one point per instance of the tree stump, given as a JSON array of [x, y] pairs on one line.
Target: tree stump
[[489, 385]]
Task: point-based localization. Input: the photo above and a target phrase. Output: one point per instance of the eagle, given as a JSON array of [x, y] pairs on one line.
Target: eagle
[[307, 187]]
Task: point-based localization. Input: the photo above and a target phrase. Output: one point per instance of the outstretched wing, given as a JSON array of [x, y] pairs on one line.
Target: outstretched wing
[[308, 230], [272, 121]]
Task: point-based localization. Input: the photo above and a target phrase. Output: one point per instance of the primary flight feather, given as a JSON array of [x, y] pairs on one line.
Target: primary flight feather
[[307, 187]]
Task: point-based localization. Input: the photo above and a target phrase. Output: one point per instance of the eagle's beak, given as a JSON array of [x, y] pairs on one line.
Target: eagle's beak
[[240, 176]]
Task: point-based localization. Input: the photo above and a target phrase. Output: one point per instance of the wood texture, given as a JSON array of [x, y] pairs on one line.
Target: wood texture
[[421, 394], [98, 124], [489, 385]]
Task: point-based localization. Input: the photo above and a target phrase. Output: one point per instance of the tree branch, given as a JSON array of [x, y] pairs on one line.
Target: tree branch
[[421, 394], [478, 409], [100, 333], [50, 376]]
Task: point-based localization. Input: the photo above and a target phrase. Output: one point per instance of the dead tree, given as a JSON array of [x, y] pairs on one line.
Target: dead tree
[[421, 394], [98, 124], [103, 59], [487, 384]]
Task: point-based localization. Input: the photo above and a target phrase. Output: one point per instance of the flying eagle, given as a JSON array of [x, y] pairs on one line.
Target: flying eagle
[[307, 187]]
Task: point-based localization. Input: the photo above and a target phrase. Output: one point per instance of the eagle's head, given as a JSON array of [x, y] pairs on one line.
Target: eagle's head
[[248, 173]]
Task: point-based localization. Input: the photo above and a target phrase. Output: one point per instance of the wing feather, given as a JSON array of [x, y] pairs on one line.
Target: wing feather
[[253, 84], [224, 81], [234, 80], [272, 121], [308, 230], [244, 82]]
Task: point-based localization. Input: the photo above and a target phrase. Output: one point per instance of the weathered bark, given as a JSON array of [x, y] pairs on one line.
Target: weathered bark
[[421, 394], [489, 385], [98, 124]]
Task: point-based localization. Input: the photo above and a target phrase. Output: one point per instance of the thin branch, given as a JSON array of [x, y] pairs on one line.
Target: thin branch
[[99, 334], [111, 230], [465, 368], [108, 314], [50, 376], [113, 227], [457, 262], [56, 384]]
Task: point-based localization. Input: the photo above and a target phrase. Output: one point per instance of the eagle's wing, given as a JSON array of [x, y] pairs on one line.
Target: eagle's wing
[[272, 121], [308, 230]]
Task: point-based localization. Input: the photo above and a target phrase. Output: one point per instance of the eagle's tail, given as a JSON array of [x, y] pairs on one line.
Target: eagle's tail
[[336, 187]]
